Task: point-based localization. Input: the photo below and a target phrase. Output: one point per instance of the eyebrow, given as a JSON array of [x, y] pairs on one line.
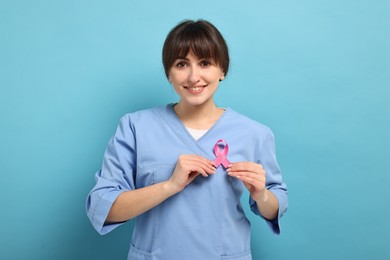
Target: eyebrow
[[185, 58]]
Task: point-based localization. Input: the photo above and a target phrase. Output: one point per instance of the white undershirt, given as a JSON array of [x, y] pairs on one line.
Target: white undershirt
[[196, 133]]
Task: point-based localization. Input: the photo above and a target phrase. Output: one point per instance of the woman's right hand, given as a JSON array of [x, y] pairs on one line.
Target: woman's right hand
[[188, 167]]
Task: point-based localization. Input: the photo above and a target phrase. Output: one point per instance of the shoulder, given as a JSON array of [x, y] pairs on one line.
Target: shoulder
[[245, 122], [143, 116]]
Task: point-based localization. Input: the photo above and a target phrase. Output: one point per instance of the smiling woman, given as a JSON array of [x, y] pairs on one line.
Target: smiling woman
[[187, 206], [195, 81], [196, 59]]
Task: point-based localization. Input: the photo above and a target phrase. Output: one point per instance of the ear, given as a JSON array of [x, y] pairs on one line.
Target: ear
[[169, 78], [222, 76]]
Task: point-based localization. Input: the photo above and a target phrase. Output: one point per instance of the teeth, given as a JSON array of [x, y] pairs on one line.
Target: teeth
[[195, 88]]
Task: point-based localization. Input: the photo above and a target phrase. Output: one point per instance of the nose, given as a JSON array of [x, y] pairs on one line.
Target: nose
[[194, 75]]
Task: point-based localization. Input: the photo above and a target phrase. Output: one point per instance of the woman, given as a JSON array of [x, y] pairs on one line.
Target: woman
[[180, 169]]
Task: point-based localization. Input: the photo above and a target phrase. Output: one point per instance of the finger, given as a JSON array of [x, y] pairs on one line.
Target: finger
[[252, 176], [246, 166], [201, 170], [259, 175], [256, 176], [197, 169], [206, 164], [191, 159], [205, 161], [191, 177], [255, 183]]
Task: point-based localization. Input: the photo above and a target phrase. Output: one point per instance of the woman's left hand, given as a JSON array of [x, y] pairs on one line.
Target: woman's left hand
[[252, 175]]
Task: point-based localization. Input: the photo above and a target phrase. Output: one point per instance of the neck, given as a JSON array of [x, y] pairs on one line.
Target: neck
[[198, 117]]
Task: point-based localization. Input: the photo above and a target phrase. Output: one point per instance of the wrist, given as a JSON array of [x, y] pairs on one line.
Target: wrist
[[170, 188], [263, 196]]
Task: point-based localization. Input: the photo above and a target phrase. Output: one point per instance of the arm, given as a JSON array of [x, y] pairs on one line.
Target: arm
[[253, 177], [130, 204], [264, 181], [268, 205], [115, 197]]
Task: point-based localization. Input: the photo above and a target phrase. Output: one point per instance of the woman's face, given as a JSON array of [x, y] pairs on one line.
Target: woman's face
[[195, 80]]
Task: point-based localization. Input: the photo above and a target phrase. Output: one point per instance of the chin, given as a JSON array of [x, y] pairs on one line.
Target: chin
[[195, 101]]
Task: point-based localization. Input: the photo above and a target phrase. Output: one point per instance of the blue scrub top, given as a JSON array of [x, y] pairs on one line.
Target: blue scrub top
[[206, 219]]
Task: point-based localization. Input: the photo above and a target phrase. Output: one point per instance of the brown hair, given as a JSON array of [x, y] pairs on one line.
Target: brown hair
[[199, 36]]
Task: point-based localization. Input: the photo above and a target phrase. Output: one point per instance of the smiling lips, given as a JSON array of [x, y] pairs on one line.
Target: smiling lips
[[195, 89]]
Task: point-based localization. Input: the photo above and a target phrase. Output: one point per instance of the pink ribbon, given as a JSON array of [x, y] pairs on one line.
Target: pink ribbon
[[221, 154]]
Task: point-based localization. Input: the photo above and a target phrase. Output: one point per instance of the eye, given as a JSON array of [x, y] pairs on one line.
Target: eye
[[205, 63], [181, 64]]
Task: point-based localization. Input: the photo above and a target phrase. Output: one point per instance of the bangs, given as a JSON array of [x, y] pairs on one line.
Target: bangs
[[198, 41]]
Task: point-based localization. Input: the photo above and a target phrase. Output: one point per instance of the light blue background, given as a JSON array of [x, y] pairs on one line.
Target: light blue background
[[316, 72]]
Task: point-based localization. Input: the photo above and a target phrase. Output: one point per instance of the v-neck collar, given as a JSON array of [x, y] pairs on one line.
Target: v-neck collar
[[174, 122]]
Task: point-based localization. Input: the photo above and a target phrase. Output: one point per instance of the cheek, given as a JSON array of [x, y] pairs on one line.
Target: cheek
[[214, 76], [212, 79], [176, 81], [177, 77]]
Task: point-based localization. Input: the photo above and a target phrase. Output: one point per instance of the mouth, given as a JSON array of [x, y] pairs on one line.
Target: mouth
[[195, 89]]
